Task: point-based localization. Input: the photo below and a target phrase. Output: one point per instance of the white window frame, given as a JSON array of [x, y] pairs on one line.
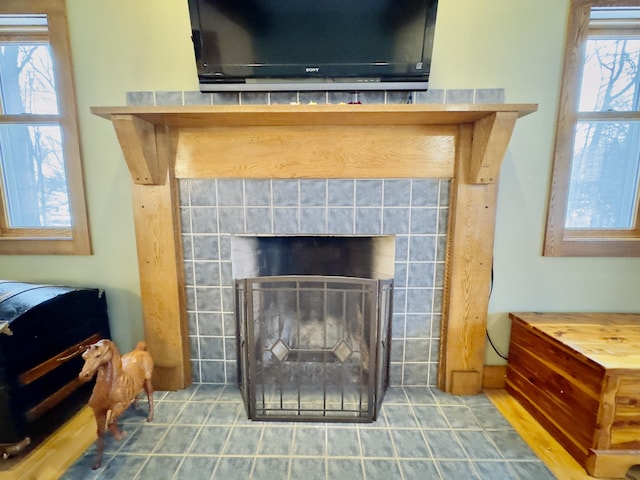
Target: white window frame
[[561, 241], [58, 241]]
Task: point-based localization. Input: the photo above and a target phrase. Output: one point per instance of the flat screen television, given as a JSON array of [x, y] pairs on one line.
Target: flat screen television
[[265, 45]]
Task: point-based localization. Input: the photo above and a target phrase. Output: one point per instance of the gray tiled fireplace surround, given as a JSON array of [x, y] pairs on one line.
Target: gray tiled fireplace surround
[[415, 211]]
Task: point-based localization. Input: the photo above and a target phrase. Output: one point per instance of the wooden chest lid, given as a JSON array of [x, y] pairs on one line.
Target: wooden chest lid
[[610, 339]]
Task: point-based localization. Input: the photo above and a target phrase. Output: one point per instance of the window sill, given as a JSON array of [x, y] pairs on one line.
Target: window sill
[[593, 247], [43, 246]]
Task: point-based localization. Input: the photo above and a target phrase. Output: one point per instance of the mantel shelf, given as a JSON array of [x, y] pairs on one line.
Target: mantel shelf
[[290, 115]]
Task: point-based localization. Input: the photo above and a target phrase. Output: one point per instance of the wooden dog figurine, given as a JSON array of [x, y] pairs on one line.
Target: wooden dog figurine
[[119, 381]]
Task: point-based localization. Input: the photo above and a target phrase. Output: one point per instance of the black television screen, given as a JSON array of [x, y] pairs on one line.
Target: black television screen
[[308, 45]]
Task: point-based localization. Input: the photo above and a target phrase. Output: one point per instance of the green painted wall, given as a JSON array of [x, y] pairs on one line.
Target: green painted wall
[[124, 45]]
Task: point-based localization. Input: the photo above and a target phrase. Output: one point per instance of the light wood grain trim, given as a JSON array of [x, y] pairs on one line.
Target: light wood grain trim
[[468, 273], [80, 242], [493, 376], [34, 6], [389, 151], [61, 50], [601, 234], [558, 240], [30, 118], [317, 115], [160, 263], [491, 136], [37, 233], [37, 246], [608, 116], [137, 139], [578, 31], [465, 382], [606, 3]]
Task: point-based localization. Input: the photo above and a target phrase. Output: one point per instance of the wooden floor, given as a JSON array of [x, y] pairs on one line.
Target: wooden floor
[[56, 454], [561, 464], [51, 459]]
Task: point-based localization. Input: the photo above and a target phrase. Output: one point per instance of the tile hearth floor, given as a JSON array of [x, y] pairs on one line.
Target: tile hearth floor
[[203, 433]]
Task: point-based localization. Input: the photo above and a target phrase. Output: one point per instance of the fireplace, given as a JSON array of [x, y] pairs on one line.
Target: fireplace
[[464, 143], [313, 316]]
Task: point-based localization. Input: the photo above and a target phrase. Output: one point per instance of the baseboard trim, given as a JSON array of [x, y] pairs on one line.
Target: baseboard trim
[[493, 376]]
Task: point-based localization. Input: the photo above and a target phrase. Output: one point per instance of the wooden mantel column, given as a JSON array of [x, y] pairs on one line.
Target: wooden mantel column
[[464, 143]]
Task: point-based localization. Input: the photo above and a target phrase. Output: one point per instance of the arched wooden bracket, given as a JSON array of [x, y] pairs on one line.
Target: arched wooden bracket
[[138, 143], [491, 136]]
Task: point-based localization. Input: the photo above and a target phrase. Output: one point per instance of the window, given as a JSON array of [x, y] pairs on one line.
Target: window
[[41, 183], [594, 198]]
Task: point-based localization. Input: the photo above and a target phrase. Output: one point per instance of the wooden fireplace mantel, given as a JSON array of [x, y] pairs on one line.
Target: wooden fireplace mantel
[[465, 143]]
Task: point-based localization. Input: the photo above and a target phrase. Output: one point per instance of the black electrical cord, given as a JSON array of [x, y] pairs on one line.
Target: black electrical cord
[[495, 349]]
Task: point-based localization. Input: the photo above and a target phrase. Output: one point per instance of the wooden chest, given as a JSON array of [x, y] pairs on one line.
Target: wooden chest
[[578, 374], [43, 331]]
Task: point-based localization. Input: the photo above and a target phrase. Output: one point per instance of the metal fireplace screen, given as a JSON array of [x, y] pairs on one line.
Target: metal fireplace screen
[[313, 347]]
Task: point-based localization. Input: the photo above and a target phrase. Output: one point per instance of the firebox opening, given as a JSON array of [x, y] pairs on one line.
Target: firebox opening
[[313, 321], [348, 256]]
